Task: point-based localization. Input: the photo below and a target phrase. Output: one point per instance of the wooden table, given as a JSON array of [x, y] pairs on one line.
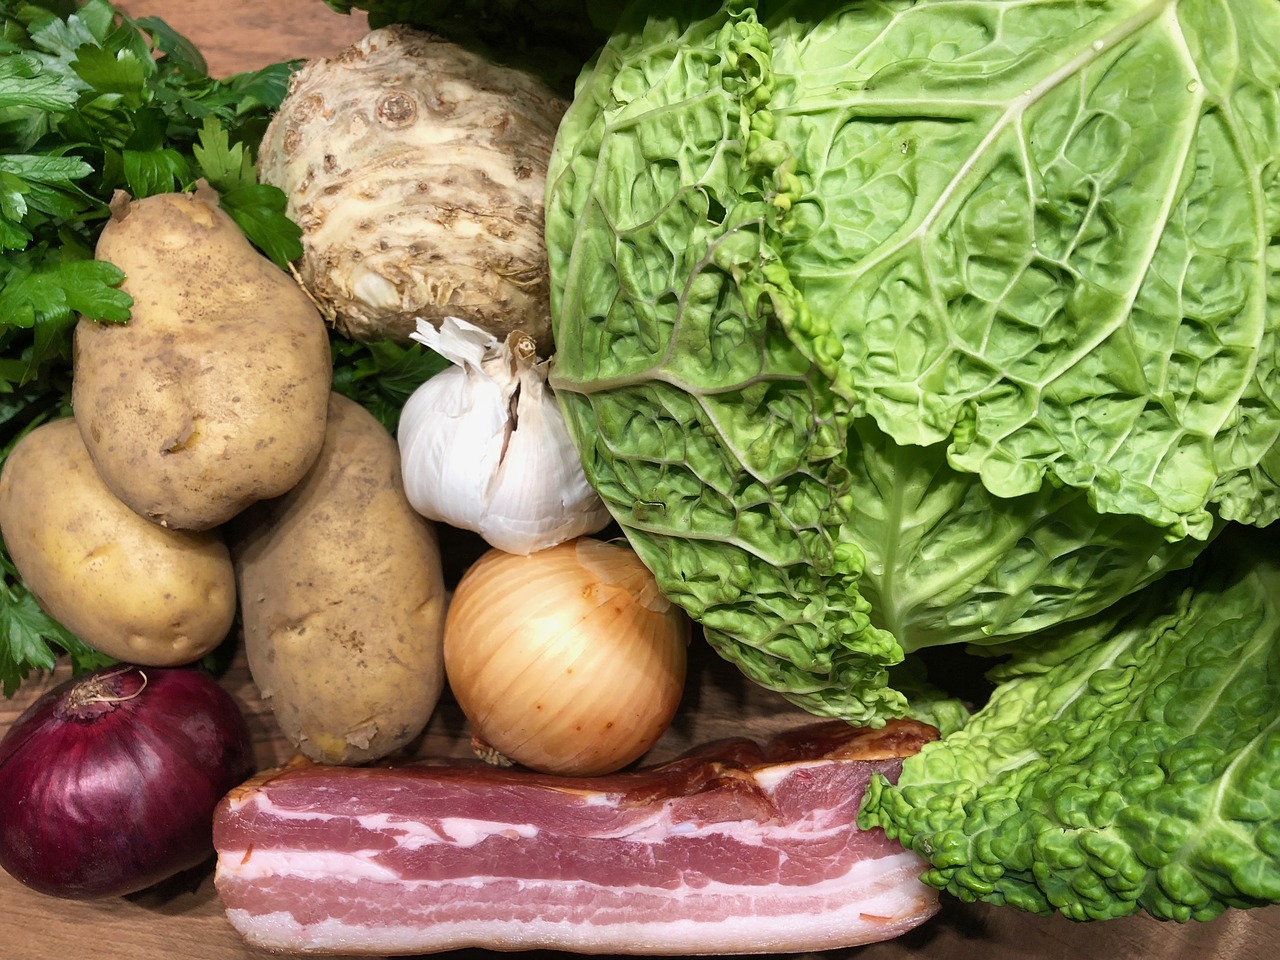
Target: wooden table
[[183, 920]]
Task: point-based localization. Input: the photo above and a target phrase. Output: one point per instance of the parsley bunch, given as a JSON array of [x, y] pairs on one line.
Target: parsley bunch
[[91, 102]]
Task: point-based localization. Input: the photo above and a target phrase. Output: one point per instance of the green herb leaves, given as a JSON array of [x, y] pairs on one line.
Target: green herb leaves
[[255, 207], [95, 103]]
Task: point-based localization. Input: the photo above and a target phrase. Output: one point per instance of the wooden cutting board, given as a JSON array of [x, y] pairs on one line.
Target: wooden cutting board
[[183, 920]]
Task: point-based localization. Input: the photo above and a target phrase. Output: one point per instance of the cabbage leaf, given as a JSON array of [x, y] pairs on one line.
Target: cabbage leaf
[[1128, 762], [888, 325]]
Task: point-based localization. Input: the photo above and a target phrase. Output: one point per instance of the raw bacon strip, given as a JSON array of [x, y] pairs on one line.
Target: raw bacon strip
[[733, 848]]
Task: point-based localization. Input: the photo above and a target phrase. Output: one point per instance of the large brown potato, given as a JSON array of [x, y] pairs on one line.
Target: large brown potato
[[213, 396], [122, 584], [342, 599]]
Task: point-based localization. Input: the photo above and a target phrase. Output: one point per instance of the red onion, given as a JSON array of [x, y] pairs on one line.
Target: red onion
[[108, 782]]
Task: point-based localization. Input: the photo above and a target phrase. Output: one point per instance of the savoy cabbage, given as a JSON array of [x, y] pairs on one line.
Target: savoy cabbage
[[1126, 762], [882, 325]]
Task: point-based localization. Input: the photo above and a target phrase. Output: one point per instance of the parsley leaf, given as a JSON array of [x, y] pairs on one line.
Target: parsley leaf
[[227, 166], [22, 84], [257, 208]]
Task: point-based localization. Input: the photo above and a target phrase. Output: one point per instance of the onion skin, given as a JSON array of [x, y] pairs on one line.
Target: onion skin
[[109, 781], [567, 661]]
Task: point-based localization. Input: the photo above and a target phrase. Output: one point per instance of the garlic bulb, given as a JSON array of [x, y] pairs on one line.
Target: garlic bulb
[[484, 447]]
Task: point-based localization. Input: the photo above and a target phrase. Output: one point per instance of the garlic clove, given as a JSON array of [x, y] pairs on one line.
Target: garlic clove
[[527, 514], [451, 437]]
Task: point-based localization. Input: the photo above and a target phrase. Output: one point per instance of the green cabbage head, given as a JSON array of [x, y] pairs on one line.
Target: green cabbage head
[[883, 325]]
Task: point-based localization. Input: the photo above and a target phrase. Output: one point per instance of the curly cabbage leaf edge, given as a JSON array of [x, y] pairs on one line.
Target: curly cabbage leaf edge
[[1135, 774]]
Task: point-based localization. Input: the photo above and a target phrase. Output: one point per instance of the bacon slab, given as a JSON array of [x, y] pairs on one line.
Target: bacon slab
[[736, 847]]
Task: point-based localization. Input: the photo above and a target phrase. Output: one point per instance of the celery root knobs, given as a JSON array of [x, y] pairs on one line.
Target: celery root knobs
[[416, 170]]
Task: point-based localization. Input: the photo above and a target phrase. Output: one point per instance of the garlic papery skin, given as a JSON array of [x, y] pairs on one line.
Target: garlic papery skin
[[483, 446]]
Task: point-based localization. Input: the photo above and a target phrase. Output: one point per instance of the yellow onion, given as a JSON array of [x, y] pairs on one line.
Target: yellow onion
[[568, 660]]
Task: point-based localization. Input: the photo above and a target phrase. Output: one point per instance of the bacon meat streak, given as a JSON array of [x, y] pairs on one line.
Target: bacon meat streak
[[736, 847]]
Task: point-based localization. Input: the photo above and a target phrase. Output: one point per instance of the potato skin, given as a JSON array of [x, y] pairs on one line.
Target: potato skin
[[125, 586], [213, 395], [342, 599]]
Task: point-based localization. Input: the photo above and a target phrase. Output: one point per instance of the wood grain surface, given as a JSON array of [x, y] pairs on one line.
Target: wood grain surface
[[239, 35], [183, 920]]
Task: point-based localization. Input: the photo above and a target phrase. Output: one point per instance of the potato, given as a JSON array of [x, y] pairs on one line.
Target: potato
[[213, 396], [342, 599], [123, 585]]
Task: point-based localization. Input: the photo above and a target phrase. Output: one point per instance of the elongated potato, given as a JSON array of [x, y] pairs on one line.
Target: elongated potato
[[213, 396], [342, 599], [122, 584]]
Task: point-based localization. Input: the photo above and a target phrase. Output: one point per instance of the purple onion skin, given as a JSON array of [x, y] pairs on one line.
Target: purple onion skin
[[108, 782]]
